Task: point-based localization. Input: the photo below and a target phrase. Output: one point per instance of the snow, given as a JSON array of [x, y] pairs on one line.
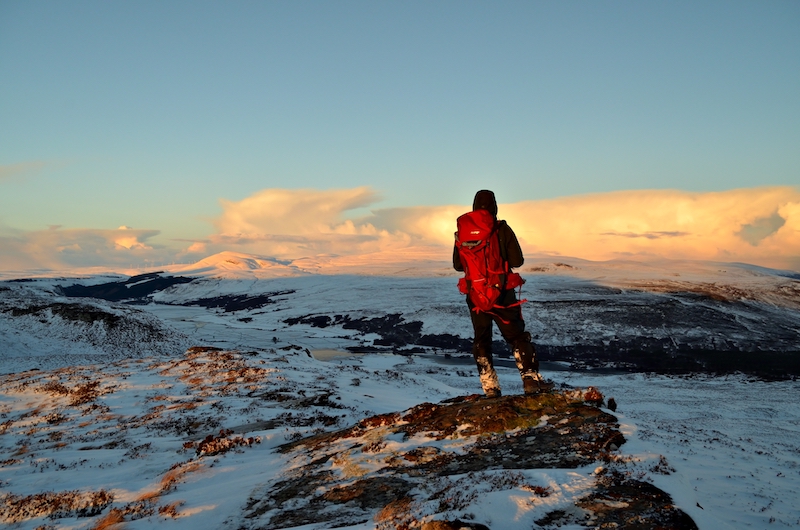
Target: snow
[[726, 448], [732, 441]]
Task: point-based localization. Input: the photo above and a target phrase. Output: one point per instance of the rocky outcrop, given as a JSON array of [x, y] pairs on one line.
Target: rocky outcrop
[[409, 469], [703, 339]]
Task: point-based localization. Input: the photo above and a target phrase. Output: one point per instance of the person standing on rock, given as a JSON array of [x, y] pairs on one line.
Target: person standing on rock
[[489, 285]]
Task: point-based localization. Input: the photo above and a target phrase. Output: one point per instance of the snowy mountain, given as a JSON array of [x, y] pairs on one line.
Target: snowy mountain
[[669, 317], [38, 324], [106, 417]]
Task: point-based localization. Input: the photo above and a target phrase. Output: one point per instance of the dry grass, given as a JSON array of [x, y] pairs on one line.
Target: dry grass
[[147, 503], [176, 473], [113, 518], [72, 408], [171, 509], [15, 508], [397, 515], [214, 445]]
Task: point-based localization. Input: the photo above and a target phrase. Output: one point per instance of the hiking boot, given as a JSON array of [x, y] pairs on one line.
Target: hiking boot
[[493, 393], [534, 384]]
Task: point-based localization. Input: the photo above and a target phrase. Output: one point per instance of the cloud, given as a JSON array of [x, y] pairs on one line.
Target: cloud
[[295, 212], [55, 248], [300, 223], [761, 228], [13, 170], [648, 235], [755, 225]]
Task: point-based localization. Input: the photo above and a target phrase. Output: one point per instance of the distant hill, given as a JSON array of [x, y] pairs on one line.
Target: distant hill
[[660, 316]]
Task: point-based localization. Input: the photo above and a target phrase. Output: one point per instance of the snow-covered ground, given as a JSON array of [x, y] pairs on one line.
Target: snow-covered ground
[[734, 443], [128, 424]]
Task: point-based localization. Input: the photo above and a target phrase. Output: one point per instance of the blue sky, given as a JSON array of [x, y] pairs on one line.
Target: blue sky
[[153, 114]]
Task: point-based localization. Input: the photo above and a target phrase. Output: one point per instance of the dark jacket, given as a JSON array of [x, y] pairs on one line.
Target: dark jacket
[[509, 246]]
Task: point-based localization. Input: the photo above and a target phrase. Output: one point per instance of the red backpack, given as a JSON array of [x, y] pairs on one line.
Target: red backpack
[[486, 273]]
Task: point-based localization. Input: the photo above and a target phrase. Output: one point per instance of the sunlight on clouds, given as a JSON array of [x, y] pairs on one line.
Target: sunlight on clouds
[[300, 223], [130, 242], [55, 248], [197, 247], [292, 212], [424, 224], [127, 237], [757, 225], [13, 170]]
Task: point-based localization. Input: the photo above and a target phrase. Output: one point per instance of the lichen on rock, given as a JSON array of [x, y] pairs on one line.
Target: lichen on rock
[[412, 465]]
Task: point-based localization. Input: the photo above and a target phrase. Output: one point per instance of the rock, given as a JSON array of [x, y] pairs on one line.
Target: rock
[[453, 525], [387, 467]]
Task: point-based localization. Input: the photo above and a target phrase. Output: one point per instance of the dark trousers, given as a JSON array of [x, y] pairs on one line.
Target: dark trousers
[[509, 321]]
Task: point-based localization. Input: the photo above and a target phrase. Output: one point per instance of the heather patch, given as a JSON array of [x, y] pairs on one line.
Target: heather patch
[[174, 417]]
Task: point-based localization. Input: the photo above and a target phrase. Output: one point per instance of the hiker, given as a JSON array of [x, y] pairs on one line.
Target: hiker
[[500, 304]]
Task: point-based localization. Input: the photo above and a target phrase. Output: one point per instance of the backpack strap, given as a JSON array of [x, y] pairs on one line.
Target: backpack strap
[[503, 249], [508, 272]]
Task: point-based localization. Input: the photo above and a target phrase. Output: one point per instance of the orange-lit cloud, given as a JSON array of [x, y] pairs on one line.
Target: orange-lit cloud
[[755, 225], [300, 223], [282, 211], [57, 248], [12, 170]]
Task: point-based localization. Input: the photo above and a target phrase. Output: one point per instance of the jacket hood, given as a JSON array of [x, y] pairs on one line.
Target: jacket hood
[[484, 200]]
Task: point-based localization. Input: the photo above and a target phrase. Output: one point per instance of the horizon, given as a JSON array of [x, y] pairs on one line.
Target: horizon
[[142, 134], [425, 263], [757, 226]]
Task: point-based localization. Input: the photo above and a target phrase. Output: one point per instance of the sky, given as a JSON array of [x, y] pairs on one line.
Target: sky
[[145, 133]]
